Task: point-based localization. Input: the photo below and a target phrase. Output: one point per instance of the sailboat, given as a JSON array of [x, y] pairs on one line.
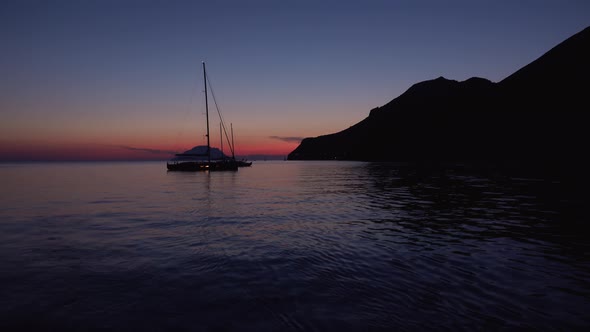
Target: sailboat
[[202, 158], [243, 162]]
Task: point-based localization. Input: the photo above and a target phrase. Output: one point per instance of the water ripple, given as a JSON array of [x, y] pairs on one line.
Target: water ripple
[[314, 246]]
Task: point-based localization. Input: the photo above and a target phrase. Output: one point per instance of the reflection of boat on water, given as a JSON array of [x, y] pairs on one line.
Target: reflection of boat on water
[[203, 158]]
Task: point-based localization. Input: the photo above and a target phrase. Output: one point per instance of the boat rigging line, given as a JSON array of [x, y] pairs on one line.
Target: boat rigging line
[[231, 147]]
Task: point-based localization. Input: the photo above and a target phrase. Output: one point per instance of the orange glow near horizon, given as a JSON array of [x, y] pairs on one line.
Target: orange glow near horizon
[[76, 152], [113, 132], [276, 149], [61, 151]]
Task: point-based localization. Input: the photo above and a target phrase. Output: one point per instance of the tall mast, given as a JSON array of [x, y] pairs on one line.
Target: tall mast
[[221, 136], [207, 113]]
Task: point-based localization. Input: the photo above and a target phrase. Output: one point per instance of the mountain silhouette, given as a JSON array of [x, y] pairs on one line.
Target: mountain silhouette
[[535, 114]]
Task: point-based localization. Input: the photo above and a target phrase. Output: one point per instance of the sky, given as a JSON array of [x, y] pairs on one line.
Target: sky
[[123, 79]]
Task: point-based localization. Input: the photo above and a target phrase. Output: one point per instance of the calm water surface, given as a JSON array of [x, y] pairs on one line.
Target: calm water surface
[[285, 246]]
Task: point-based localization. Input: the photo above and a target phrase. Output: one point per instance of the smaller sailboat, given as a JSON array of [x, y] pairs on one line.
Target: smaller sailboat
[[243, 162], [202, 158]]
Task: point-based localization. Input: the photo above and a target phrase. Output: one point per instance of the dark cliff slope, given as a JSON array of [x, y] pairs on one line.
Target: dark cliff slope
[[534, 114]]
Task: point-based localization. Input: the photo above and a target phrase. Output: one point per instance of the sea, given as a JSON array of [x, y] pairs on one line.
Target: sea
[[290, 246]]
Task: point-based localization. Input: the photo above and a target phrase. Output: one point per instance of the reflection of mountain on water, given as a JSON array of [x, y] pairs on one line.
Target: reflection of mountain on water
[[474, 203], [454, 240]]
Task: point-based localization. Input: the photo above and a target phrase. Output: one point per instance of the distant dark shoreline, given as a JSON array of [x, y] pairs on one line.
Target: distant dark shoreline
[[16, 161]]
